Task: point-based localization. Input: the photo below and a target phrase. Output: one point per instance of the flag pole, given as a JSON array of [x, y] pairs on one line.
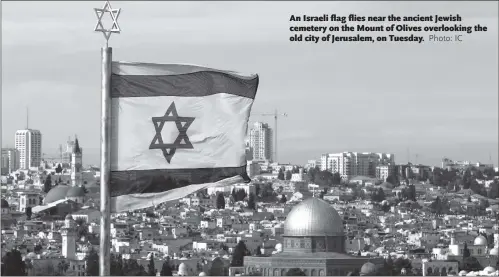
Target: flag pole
[[105, 137], [105, 198]]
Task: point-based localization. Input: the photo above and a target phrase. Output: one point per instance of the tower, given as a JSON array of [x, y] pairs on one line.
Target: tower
[[453, 238], [260, 141], [28, 143], [68, 234], [76, 164]]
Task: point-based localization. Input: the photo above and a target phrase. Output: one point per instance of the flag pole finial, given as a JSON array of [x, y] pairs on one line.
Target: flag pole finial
[[99, 27]]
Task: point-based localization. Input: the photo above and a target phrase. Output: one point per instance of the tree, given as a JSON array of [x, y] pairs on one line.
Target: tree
[[378, 195], [234, 195], [47, 185], [466, 251], [411, 193], [13, 264], [62, 267], [258, 251], [336, 178], [29, 213], [92, 261], [490, 172], [238, 255], [116, 265], [280, 175], [311, 172], [58, 169], [295, 272], [166, 270], [220, 201], [283, 199], [241, 194], [288, 175], [401, 263], [251, 202], [392, 179], [469, 199], [471, 264], [151, 270], [132, 268], [494, 190], [38, 248]]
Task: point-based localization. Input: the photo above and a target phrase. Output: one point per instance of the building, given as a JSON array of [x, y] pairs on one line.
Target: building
[[252, 168], [76, 164], [10, 160], [314, 241], [351, 164], [383, 171], [260, 142], [28, 200], [29, 144]]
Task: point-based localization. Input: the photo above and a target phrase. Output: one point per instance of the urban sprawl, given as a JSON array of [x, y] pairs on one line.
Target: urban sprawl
[[350, 213]]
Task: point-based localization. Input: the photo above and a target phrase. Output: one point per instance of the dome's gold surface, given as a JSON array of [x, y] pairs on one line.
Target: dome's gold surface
[[313, 217]]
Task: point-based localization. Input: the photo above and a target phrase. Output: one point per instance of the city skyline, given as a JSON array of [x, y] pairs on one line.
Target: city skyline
[[417, 110]]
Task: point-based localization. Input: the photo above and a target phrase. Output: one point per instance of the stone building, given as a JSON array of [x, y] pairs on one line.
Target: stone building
[[313, 241]]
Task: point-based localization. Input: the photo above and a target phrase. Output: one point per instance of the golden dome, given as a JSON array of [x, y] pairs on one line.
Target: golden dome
[[313, 217]]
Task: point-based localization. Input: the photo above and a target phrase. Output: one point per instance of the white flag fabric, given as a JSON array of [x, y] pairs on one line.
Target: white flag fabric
[[176, 129]]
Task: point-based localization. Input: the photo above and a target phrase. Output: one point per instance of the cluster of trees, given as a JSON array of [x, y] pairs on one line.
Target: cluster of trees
[[440, 206], [469, 263], [378, 195], [238, 255], [286, 175], [240, 195], [409, 193], [265, 192], [128, 267], [454, 181], [13, 264], [394, 267], [323, 178]]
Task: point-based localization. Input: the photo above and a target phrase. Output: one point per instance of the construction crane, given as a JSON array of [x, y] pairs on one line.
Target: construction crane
[[276, 115]]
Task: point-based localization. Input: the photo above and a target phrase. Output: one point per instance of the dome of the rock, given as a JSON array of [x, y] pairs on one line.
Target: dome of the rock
[[313, 217]]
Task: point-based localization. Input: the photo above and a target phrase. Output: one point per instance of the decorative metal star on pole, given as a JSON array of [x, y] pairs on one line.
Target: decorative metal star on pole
[[114, 13]]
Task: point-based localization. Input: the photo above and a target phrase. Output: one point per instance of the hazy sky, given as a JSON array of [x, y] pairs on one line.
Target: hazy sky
[[435, 99]]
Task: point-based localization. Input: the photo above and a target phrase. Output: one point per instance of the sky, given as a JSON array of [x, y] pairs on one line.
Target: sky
[[421, 102]]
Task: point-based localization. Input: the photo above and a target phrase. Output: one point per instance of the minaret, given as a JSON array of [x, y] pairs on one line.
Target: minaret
[[76, 164], [452, 238], [496, 237], [68, 234]]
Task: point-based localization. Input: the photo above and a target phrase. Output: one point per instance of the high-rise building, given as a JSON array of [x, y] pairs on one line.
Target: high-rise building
[[29, 144], [260, 142], [351, 164], [10, 160]]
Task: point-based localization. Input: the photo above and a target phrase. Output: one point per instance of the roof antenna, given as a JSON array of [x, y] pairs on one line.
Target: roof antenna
[[27, 118]]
